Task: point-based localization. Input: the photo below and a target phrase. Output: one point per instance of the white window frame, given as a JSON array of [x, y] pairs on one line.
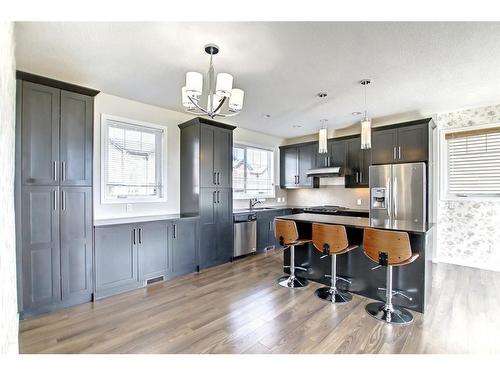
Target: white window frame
[[273, 162], [104, 156], [444, 194]]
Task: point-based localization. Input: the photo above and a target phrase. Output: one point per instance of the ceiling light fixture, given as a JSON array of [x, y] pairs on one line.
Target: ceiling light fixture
[[219, 91], [323, 137], [322, 94], [356, 113], [366, 123]]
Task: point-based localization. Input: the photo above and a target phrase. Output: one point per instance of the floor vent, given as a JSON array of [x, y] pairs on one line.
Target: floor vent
[[155, 280]]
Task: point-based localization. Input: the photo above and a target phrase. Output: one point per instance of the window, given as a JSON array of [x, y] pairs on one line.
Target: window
[[472, 162], [132, 161], [252, 172]]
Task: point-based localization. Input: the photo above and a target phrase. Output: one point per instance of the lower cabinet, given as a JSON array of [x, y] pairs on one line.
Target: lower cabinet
[[128, 255], [265, 228], [56, 247]]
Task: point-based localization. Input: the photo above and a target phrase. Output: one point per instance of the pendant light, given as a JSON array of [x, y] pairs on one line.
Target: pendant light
[[323, 137], [366, 123]]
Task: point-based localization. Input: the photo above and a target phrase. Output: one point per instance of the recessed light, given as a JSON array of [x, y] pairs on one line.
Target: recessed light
[[356, 113], [296, 126], [322, 94], [266, 116]]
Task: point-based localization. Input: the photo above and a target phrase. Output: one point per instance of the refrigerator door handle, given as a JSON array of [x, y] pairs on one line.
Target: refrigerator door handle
[[395, 196], [388, 197]]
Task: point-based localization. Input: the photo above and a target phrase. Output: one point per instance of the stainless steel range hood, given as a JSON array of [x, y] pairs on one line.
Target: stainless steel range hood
[[325, 172]]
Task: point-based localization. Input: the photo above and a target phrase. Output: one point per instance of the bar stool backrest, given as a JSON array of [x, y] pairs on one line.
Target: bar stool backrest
[[285, 231], [333, 236], [395, 244]]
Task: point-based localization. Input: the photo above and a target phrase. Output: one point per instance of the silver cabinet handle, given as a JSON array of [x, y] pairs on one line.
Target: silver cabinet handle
[[54, 170], [215, 196], [54, 198], [133, 236], [63, 201], [394, 153], [218, 178], [298, 180], [140, 235], [218, 196], [175, 231], [215, 178], [399, 152], [63, 171], [360, 176]]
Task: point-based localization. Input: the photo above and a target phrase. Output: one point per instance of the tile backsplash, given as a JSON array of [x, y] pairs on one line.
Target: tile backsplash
[[336, 195]]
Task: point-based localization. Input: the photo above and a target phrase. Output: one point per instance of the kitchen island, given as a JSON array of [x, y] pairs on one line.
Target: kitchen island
[[413, 279]]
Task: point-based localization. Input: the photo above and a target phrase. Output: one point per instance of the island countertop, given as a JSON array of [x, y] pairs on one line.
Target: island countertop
[[360, 222]]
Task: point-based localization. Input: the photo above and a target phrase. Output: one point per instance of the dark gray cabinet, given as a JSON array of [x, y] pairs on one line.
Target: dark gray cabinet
[[295, 162], [265, 228], [54, 190], [401, 143], [76, 139], [184, 235], [41, 247], [335, 157], [40, 109], [152, 243], [206, 186], [216, 227], [116, 259], [216, 163], [76, 243], [357, 163]]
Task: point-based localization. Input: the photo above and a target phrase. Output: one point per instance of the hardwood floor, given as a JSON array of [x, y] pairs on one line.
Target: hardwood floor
[[239, 308]]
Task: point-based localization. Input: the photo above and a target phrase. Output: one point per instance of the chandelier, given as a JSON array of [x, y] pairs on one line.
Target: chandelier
[[219, 91], [366, 123]]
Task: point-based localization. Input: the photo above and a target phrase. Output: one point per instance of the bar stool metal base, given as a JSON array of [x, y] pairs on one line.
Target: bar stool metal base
[[334, 296], [397, 315], [292, 282]]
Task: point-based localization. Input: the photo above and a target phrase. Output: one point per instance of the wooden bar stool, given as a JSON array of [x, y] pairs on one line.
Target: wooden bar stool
[[287, 234], [389, 249], [331, 240]]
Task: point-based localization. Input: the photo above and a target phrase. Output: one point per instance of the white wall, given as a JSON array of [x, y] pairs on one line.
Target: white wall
[[468, 231], [8, 289], [113, 105]]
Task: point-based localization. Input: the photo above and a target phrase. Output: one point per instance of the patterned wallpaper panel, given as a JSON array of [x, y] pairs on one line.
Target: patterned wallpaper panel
[[469, 231]]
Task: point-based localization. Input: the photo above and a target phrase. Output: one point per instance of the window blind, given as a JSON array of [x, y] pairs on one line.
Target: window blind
[[252, 172], [133, 157], [474, 162]]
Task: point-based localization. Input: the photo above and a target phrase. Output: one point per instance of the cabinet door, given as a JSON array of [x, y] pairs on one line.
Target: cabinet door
[[40, 134], [184, 246], [207, 227], [366, 161], [337, 153], [116, 267], [288, 167], [40, 247], [76, 139], [384, 146], [153, 254], [414, 143], [306, 160], [272, 238], [224, 225], [321, 160], [352, 162], [207, 172], [76, 243], [263, 239], [223, 156]]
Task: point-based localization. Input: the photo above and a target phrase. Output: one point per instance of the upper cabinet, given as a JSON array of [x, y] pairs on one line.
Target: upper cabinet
[[334, 157], [295, 162], [357, 163], [401, 143], [215, 160]]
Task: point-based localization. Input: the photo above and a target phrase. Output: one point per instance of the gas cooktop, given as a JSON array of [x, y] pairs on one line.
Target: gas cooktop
[[325, 209]]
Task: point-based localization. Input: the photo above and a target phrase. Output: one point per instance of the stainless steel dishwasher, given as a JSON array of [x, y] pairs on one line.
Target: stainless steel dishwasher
[[245, 234]]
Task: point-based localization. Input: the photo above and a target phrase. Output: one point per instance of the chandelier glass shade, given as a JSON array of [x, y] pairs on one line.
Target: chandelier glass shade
[[323, 138], [220, 90], [366, 123]]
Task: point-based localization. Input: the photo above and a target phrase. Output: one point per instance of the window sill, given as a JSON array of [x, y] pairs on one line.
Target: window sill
[[133, 200]]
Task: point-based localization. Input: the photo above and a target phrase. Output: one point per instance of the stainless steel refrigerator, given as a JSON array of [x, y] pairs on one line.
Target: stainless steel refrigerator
[[398, 192]]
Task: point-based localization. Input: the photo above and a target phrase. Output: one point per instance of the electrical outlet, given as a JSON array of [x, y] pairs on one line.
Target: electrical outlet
[[358, 202], [129, 207]]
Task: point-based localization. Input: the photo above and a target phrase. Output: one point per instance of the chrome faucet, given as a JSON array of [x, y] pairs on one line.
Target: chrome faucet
[[254, 201]]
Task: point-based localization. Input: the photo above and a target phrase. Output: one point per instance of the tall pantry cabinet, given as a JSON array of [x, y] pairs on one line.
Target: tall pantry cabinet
[[206, 186], [54, 135]]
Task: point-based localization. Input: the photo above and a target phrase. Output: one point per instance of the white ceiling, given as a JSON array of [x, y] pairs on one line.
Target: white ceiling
[[419, 68]]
